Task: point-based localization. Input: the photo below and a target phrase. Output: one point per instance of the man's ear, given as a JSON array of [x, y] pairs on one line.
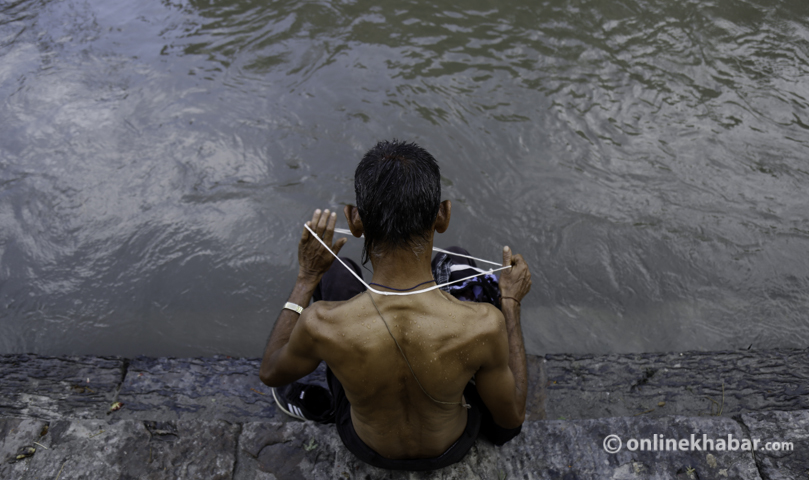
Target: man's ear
[[442, 219], [354, 221]]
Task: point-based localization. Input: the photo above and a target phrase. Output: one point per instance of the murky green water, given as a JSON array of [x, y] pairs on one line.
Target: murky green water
[[649, 159]]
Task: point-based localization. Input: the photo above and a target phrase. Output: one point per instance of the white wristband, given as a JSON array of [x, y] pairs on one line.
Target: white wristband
[[295, 308]]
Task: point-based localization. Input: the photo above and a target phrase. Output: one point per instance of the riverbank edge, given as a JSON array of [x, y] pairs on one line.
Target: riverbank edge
[[212, 418]]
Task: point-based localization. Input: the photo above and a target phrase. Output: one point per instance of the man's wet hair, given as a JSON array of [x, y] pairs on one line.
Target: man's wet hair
[[398, 188]]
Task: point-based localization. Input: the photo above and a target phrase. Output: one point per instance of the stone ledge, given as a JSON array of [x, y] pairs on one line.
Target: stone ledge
[[55, 387], [72, 449], [781, 427], [212, 418], [547, 449], [688, 383], [561, 386], [203, 388]]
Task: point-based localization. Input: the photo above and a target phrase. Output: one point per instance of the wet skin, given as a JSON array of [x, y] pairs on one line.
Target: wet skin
[[447, 342]]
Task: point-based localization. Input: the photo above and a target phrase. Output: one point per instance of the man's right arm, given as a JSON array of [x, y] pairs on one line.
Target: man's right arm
[[502, 382]]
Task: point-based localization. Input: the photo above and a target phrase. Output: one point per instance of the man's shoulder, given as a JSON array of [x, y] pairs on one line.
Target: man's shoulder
[[491, 318], [485, 316], [328, 312], [486, 311]]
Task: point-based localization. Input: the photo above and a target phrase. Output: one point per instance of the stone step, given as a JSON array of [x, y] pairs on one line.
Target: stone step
[[561, 386], [212, 418], [195, 388], [688, 383], [55, 387], [546, 449]]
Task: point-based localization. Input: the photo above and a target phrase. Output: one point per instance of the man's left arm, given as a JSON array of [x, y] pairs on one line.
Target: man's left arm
[[290, 353], [286, 360]]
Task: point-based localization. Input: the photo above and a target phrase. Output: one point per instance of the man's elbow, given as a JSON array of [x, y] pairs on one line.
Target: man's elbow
[[514, 420], [268, 377]]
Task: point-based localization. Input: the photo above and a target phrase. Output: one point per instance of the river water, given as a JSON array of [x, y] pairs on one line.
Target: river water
[[647, 157]]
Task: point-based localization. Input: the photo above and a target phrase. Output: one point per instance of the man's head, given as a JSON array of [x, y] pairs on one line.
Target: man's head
[[398, 188]]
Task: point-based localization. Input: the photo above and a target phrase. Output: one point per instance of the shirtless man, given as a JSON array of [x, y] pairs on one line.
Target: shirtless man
[[388, 413]]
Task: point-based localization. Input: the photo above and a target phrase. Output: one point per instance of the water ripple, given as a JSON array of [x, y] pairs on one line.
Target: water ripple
[[647, 157]]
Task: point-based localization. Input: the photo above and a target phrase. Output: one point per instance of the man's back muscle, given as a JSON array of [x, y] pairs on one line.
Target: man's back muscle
[[446, 342]]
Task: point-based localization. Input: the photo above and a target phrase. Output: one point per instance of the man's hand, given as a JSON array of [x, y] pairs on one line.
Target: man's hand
[[503, 384], [515, 282], [314, 260], [290, 353]]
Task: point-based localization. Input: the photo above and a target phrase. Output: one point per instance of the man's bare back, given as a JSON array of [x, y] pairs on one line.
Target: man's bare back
[[446, 341], [381, 412]]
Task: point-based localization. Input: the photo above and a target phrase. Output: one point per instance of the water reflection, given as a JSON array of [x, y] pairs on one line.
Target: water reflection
[[646, 157]]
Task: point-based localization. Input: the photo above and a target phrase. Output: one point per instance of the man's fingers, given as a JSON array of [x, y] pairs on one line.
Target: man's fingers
[[338, 245], [506, 256], [315, 218], [305, 234], [329, 234], [519, 263], [321, 223]]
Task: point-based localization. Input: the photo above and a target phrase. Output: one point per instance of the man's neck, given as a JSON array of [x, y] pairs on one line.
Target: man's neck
[[403, 268]]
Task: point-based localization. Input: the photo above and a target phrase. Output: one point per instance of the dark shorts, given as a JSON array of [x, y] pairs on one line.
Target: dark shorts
[[339, 285]]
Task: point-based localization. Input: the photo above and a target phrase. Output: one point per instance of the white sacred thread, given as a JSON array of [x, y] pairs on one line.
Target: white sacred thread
[[428, 289]]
